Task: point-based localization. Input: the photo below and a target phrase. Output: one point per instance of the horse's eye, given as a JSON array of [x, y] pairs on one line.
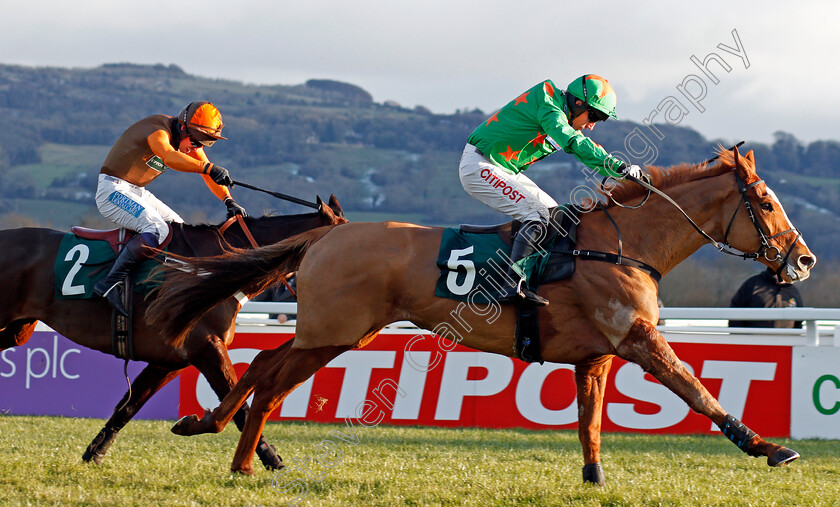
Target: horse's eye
[[767, 206]]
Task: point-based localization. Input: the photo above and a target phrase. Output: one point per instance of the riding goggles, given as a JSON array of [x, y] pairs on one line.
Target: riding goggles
[[596, 115]]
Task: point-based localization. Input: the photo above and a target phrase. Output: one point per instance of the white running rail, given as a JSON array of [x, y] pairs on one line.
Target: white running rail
[[695, 325]]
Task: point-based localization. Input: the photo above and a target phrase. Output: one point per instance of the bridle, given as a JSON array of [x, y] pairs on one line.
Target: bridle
[[723, 246], [765, 248]]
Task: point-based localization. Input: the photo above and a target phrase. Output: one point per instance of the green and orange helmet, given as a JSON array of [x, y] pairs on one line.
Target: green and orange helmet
[[202, 121], [597, 95]]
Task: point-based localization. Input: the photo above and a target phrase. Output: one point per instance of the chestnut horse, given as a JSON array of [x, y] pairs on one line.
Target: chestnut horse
[[27, 257], [353, 280]]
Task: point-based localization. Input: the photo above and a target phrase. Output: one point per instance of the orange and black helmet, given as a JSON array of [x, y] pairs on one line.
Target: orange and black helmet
[[202, 121]]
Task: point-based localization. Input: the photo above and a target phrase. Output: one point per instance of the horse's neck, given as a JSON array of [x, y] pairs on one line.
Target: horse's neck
[[195, 240], [706, 201], [268, 230], [207, 240]]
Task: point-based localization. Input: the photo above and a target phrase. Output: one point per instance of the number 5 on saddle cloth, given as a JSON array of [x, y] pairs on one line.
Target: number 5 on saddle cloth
[[473, 264], [474, 260]]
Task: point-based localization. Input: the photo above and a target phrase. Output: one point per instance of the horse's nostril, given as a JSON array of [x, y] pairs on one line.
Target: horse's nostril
[[806, 261]]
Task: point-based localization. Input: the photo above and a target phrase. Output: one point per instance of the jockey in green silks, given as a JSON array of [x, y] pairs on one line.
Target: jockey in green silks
[[532, 126]]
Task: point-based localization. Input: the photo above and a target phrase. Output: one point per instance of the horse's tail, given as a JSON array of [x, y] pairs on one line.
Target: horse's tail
[[194, 286]]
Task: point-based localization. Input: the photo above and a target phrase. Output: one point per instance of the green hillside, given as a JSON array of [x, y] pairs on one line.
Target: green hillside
[[322, 137]]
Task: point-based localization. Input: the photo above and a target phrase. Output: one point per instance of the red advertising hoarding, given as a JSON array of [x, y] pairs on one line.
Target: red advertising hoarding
[[415, 379]]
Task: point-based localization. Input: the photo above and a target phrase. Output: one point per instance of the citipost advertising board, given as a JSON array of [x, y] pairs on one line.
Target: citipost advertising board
[[418, 380], [815, 398]]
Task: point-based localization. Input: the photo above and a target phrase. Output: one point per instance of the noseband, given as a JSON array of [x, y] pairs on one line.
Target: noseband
[[765, 248]]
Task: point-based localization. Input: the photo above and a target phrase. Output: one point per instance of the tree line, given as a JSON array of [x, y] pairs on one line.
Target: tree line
[[323, 137]]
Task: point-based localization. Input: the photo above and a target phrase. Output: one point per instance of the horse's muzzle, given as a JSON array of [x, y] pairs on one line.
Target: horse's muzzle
[[802, 270]]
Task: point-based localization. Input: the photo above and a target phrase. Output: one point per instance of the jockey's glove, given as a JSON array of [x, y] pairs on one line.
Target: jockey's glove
[[234, 209], [630, 170], [219, 174]]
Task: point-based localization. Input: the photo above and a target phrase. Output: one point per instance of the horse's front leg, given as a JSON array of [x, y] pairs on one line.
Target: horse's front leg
[[591, 381], [646, 347], [272, 387], [214, 422], [214, 363], [147, 383]]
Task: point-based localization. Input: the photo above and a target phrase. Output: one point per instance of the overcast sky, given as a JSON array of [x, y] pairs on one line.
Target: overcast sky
[[451, 54]]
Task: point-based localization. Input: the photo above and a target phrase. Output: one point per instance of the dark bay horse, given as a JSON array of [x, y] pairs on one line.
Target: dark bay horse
[[355, 279], [26, 261]]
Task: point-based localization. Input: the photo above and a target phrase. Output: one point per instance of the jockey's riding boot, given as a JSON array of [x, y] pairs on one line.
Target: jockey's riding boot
[[528, 237], [111, 286]]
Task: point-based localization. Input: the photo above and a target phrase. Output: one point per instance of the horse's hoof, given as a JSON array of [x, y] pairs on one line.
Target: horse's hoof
[[183, 426], [95, 458], [594, 474], [242, 470], [269, 457], [95, 452], [782, 457]]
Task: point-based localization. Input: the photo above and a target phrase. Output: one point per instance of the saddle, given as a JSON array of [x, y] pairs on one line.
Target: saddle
[[114, 237], [556, 265], [506, 231], [122, 342], [559, 242], [557, 262]]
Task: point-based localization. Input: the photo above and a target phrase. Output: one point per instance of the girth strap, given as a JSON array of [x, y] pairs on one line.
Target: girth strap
[[122, 337], [593, 255]]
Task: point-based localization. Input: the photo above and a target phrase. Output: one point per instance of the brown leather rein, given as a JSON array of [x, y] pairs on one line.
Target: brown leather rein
[[238, 218]]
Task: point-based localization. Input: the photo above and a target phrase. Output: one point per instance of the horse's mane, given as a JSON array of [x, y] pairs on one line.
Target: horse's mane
[[666, 177]]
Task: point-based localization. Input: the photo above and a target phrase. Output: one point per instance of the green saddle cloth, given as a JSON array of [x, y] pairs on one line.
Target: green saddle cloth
[[473, 266], [80, 263]]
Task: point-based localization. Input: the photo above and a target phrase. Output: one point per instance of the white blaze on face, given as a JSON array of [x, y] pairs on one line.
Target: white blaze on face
[[792, 273], [779, 204], [617, 324]]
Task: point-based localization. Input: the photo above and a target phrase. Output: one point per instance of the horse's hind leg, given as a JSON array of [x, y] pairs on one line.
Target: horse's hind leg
[[147, 383], [16, 333], [215, 421], [214, 363], [296, 367], [591, 381], [646, 347]]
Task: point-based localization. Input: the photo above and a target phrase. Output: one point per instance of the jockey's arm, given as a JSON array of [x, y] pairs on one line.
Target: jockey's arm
[[195, 161], [568, 139]]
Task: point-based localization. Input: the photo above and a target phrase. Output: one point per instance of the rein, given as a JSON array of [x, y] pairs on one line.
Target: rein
[[247, 231], [618, 258], [238, 218], [724, 246], [278, 195]]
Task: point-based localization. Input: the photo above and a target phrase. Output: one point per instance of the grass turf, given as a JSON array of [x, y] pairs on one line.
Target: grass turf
[[148, 465]]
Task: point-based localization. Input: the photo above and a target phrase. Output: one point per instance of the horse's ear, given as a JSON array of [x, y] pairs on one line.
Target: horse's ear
[[335, 205], [319, 202], [751, 157], [745, 171]]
